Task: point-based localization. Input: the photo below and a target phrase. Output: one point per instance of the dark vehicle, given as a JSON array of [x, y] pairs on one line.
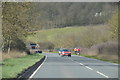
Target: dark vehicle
[[65, 52], [35, 48]]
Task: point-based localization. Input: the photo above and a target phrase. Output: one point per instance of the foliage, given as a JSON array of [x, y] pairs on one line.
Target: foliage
[[113, 25], [46, 45], [15, 24], [59, 15]]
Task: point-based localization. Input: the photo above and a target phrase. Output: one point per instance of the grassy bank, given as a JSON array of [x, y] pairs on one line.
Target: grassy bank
[[14, 66], [95, 57], [83, 36]]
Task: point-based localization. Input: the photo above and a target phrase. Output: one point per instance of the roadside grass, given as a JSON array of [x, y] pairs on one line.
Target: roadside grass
[[12, 54], [14, 66], [0, 72], [95, 57]]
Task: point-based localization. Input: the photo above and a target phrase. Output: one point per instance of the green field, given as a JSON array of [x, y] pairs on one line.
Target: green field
[[12, 67], [50, 34], [84, 36]]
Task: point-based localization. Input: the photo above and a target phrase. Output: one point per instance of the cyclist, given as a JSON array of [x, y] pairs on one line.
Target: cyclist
[[78, 51], [75, 50]]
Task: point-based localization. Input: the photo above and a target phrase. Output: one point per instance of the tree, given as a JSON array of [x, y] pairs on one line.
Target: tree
[[113, 25], [15, 24]]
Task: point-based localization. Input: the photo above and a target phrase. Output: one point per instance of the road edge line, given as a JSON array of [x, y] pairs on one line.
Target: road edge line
[[38, 68]]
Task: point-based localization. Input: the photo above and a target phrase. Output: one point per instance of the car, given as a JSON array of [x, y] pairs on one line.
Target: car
[[35, 48], [65, 52], [60, 50]]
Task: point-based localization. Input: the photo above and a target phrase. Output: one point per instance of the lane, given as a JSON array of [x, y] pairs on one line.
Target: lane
[[71, 67], [107, 68]]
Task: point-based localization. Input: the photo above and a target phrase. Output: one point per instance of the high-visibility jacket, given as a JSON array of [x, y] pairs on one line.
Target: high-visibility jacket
[[79, 50], [75, 49]]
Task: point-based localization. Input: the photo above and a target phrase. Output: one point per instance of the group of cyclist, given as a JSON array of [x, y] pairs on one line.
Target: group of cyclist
[[77, 51]]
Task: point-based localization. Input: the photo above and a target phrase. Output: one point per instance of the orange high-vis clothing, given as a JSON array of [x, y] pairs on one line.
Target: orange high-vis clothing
[[75, 49]]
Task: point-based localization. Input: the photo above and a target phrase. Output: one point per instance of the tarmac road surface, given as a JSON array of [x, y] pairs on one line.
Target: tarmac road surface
[[56, 66]]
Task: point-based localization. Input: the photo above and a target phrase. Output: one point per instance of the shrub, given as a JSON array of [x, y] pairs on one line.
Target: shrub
[[110, 48], [46, 45]]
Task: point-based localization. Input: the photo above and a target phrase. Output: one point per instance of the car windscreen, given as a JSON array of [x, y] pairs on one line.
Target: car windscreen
[[65, 50]]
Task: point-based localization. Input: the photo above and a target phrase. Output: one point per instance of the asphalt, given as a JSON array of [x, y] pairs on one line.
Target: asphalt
[[56, 66]]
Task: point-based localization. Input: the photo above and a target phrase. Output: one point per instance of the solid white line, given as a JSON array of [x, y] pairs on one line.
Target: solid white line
[[38, 68], [88, 67], [102, 74]]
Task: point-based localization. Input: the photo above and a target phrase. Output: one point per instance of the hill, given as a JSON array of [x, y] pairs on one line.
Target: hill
[[70, 37]]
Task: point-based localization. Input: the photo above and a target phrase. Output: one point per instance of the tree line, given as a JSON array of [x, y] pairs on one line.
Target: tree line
[[59, 15]]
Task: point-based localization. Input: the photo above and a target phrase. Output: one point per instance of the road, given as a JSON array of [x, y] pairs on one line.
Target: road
[[55, 66]]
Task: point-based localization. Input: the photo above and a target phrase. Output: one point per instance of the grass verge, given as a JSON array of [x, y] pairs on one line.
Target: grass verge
[[95, 57], [12, 67], [12, 54]]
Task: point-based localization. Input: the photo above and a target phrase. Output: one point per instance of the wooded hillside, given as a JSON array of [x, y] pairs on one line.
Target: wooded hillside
[[19, 18]]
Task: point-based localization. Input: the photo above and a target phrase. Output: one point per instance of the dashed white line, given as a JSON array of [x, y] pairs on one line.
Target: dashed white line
[[81, 64], [88, 67], [102, 74], [38, 68], [91, 69]]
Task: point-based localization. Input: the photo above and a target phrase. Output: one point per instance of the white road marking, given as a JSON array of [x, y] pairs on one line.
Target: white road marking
[[38, 68], [81, 64], [91, 69], [88, 67], [115, 64], [102, 74]]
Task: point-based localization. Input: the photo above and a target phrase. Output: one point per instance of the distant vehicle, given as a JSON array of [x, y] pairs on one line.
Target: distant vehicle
[[60, 50], [64, 52], [35, 48]]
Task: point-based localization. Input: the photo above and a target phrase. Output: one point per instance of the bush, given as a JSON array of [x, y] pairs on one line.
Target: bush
[[46, 45], [15, 45], [113, 25], [110, 48]]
